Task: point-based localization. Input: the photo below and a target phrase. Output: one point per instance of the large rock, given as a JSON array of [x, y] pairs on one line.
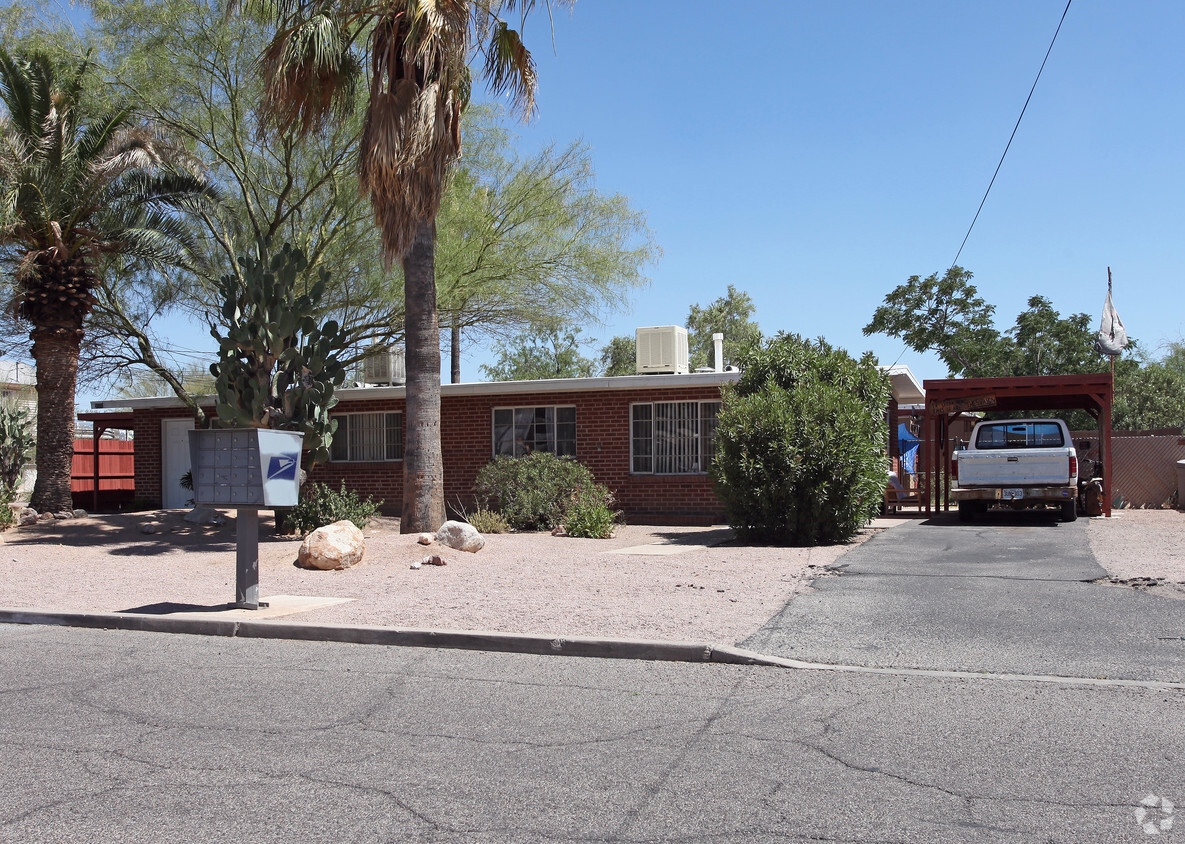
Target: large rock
[[460, 535], [27, 516], [336, 546]]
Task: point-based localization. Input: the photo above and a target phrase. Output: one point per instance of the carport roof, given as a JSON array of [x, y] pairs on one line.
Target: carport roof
[[1039, 392]]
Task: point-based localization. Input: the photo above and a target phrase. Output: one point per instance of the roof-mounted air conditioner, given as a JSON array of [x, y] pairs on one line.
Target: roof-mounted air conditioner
[[661, 349], [384, 367]]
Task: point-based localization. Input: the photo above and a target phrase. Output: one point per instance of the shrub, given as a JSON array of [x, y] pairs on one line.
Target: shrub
[[487, 521], [322, 505], [801, 439], [7, 514], [532, 492], [590, 513]]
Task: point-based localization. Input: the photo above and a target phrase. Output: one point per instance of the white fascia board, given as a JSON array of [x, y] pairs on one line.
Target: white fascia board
[[476, 388], [906, 388]]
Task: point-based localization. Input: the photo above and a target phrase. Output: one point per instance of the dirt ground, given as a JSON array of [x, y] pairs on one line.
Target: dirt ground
[[519, 583], [1144, 549], [671, 584]]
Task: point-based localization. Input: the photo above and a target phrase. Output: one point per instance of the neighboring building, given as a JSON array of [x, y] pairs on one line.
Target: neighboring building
[[646, 437], [18, 385]]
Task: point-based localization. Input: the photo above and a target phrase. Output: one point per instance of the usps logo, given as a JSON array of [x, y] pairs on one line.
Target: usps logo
[[282, 467]]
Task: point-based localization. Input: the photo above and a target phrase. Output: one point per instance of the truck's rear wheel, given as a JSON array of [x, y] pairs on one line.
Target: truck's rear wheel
[[1069, 510], [967, 511]]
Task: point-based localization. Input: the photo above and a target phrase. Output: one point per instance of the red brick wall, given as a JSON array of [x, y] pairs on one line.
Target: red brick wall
[[602, 444]]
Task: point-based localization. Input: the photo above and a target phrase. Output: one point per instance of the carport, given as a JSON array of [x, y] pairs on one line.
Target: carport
[[945, 399]]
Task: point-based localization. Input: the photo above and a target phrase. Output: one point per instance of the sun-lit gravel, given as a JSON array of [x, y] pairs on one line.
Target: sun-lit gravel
[[520, 583], [1141, 543]]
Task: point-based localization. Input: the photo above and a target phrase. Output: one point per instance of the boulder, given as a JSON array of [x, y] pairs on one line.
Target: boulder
[[80, 514], [45, 517], [336, 546], [425, 539], [63, 515], [151, 527], [26, 516], [460, 535]]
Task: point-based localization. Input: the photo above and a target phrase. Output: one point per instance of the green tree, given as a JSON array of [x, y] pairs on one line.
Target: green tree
[[547, 353], [800, 443], [522, 237], [193, 71], [730, 315], [945, 315], [619, 356], [85, 194], [1152, 395], [418, 78]]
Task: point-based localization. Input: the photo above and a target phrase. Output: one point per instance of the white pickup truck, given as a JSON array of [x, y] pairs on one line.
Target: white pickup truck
[[1017, 463]]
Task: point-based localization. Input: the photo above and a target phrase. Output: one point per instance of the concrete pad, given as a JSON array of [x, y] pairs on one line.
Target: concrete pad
[[277, 606], [891, 522]]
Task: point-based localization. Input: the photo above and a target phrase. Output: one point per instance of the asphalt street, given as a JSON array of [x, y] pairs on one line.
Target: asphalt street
[[1007, 593], [128, 736]]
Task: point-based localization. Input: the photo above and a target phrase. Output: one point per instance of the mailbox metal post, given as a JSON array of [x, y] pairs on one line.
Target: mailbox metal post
[[247, 560]]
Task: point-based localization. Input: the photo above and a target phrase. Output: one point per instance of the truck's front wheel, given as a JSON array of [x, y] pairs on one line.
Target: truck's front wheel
[[1069, 510]]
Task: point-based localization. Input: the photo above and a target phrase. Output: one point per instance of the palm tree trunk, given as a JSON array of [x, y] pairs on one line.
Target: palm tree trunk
[[423, 465], [55, 351]]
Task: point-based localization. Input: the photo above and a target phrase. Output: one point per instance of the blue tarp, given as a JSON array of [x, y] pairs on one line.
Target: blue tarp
[[907, 444]]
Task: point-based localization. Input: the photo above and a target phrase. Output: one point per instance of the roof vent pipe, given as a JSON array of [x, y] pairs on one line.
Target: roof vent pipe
[[718, 351]]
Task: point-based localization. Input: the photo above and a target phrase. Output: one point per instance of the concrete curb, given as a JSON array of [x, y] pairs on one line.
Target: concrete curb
[[478, 640]]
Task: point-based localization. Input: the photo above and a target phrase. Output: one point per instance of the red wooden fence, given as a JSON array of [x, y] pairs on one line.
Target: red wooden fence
[[115, 475]]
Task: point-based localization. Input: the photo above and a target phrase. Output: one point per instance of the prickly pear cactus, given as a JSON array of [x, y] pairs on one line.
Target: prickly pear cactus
[[277, 368], [16, 445]]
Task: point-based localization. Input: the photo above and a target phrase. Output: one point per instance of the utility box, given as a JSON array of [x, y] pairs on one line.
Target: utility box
[[661, 349], [245, 467]]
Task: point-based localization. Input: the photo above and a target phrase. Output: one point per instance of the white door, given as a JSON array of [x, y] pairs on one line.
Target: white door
[[174, 462]]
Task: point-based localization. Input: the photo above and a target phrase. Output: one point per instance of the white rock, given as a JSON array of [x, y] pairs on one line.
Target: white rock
[[336, 546], [460, 535], [417, 565], [151, 527], [425, 539], [27, 516], [200, 515], [80, 514]]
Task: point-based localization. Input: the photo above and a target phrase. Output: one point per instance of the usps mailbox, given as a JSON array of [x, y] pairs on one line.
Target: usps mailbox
[[245, 467]]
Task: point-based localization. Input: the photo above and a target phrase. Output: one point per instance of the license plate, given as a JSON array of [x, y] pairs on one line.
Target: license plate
[[1012, 493]]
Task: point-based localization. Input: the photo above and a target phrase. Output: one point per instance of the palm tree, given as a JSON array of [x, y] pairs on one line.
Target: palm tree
[[413, 56], [80, 195]]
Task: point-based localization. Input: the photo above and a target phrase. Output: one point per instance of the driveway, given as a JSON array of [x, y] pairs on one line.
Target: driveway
[[1010, 593]]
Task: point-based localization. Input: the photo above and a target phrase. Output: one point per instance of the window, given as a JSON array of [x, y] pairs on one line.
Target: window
[[520, 430], [673, 438], [367, 438], [1022, 435]]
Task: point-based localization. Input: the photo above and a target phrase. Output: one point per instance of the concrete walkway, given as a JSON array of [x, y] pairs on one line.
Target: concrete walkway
[[1009, 594]]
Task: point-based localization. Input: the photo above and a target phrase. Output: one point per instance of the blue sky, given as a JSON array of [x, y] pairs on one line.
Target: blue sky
[[817, 154]]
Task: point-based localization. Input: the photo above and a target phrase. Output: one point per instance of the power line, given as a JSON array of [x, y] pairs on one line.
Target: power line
[[1013, 135]]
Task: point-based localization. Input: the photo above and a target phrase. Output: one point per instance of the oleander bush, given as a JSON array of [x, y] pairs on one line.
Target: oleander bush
[[800, 444]]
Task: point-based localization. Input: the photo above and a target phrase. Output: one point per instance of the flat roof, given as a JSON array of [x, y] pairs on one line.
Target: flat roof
[[906, 388]]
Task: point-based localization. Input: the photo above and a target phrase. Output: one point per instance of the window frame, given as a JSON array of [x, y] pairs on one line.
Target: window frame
[[534, 408], [704, 459], [402, 438]]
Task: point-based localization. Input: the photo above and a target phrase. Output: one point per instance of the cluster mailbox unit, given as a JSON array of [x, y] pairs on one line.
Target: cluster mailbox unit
[[247, 468]]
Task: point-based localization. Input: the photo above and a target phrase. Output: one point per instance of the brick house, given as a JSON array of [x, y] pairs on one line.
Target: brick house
[[646, 437]]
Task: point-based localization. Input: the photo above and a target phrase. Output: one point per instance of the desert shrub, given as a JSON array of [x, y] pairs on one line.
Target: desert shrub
[[590, 513], [800, 454], [321, 504], [487, 521], [531, 492]]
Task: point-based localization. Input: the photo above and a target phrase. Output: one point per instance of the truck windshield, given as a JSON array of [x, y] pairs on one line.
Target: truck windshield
[[1020, 435]]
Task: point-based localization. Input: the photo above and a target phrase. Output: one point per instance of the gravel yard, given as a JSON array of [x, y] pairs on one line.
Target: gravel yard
[[518, 583]]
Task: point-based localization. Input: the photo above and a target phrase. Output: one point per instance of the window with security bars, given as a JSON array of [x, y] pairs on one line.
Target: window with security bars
[[518, 431], [367, 438], [673, 438]]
